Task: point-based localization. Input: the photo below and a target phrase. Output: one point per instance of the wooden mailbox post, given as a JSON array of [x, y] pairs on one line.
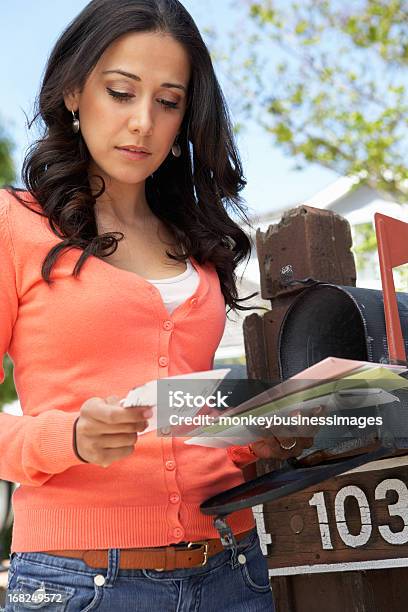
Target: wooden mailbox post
[[342, 545]]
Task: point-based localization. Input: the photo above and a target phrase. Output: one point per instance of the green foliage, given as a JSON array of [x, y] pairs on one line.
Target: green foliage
[[365, 252], [7, 389], [364, 244], [329, 81], [7, 171]]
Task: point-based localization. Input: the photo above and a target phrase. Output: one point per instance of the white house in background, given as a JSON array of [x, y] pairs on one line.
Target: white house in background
[[357, 204]]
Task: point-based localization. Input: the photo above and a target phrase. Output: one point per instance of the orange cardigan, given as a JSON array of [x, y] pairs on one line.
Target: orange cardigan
[[99, 335]]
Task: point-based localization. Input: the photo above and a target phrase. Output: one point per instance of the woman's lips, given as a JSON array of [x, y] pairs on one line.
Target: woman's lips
[[135, 155]]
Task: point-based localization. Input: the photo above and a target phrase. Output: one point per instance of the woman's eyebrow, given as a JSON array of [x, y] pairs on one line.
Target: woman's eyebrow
[[137, 78]]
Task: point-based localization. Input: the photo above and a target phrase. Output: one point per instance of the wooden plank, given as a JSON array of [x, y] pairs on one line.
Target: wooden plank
[[344, 593], [323, 250], [282, 594], [253, 330], [325, 568], [361, 516], [374, 591]]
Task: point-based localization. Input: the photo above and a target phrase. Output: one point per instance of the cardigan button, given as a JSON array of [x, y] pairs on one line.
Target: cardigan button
[[174, 498], [163, 361], [170, 465], [168, 325], [193, 301], [178, 532]]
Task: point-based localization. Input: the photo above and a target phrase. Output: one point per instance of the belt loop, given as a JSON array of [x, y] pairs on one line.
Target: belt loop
[[227, 538], [113, 566]]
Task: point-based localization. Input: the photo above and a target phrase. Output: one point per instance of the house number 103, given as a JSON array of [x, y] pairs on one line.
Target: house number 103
[[400, 508]]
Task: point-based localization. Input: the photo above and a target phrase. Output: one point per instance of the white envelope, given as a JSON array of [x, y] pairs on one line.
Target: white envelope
[[146, 395]]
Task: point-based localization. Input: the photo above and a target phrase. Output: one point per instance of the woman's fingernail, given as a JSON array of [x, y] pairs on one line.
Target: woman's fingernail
[[148, 413]]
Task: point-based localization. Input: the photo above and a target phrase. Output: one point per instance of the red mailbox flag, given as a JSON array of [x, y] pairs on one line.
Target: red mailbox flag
[[392, 239]]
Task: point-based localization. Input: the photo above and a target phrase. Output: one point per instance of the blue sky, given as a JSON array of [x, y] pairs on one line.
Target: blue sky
[[32, 27]]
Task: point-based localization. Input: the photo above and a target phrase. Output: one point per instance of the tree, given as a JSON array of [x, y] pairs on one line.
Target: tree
[[7, 171], [329, 81], [7, 389]]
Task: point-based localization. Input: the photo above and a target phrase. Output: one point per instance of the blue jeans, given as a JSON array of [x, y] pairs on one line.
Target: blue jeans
[[231, 581]]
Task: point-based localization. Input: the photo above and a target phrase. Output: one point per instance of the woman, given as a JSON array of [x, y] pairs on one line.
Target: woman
[[117, 263]]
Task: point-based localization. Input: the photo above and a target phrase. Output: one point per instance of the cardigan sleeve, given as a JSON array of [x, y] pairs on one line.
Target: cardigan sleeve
[[241, 455], [32, 448]]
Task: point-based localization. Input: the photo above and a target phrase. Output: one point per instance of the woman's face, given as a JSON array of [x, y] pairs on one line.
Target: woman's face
[[146, 109]]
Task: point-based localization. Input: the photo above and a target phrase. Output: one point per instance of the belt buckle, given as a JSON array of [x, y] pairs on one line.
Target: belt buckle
[[202, 543]]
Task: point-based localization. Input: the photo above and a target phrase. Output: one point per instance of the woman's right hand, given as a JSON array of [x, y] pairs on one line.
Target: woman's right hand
[[106, 431]]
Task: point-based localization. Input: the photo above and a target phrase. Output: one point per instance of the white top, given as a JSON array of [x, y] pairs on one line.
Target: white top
[[176, 289]]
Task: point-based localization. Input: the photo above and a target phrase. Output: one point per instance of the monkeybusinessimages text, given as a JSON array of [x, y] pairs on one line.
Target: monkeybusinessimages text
[[182, 400]]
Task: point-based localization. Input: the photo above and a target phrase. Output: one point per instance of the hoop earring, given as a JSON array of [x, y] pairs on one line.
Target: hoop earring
[[75, 123], [176, 149]]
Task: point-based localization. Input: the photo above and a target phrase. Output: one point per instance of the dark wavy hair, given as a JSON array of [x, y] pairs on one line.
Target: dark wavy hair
[[190, 194]]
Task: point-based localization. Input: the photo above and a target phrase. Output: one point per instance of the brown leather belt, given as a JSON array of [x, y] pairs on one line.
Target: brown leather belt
[[175, 556]]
